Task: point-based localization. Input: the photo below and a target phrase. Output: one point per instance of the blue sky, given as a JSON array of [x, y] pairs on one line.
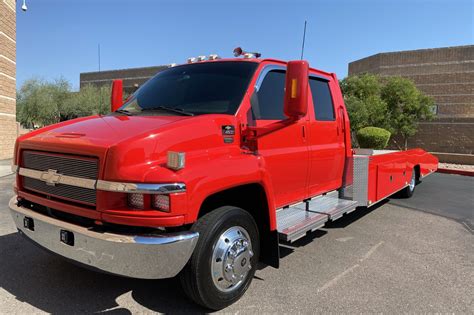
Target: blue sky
[[60, 38]]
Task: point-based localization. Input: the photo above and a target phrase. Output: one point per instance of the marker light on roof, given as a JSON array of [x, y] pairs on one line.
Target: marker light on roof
[[201, 58], [192, 60], [214, 57]]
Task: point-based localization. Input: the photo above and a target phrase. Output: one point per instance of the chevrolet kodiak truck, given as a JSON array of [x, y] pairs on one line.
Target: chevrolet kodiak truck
[[201, 173]]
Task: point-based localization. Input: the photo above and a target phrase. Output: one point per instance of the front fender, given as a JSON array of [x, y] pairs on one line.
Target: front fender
[[227, 172]]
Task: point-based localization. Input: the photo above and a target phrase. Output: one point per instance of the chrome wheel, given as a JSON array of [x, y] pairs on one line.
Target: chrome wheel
[[412, 181], [231, 259]]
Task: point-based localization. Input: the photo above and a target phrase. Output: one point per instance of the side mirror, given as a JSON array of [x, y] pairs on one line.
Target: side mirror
[[296, 89], [116, 98]]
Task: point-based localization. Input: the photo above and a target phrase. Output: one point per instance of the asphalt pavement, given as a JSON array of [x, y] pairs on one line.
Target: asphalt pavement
[[451, 196], [389, 259]]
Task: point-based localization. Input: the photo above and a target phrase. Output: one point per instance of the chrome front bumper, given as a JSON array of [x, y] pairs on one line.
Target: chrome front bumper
[[145, 257]]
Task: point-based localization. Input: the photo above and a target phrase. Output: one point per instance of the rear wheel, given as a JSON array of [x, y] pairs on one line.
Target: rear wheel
[[225, 259], [408, 191]]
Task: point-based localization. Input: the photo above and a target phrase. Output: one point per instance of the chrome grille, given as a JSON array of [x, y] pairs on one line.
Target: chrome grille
[[73, 193], [64, 165]]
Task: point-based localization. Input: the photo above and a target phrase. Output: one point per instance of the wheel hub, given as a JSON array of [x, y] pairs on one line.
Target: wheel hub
[[231, 261], [412, 181]]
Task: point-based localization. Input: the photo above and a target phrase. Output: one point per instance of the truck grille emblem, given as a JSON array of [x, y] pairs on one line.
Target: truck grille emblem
[[51, 177]]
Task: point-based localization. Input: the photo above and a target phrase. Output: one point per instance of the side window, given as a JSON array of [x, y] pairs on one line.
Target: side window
[[269, 102], [322, 100]]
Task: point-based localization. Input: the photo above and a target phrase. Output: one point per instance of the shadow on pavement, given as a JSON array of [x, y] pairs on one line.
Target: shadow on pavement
[[56, 286], [354, 216]]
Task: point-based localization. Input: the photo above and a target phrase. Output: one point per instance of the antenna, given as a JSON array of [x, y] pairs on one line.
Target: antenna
[[304, 38], [98, 53]]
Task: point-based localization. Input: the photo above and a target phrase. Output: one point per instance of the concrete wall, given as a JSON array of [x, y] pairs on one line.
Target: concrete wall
[[8, 125]]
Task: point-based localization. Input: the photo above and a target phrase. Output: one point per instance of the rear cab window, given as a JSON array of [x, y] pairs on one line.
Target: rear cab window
[[322, 99]]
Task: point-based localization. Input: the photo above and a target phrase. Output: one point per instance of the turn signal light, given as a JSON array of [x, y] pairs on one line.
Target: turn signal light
[[161, 202], [136, 201]]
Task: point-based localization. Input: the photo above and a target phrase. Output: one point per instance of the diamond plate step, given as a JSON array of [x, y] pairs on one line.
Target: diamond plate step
[[333, 207], [295, 221]]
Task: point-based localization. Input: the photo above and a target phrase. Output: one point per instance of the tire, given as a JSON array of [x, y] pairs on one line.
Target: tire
[[408, 191], [228, 236]]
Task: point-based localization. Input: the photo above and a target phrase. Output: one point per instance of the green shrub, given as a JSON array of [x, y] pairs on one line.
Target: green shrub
[[373, 138]]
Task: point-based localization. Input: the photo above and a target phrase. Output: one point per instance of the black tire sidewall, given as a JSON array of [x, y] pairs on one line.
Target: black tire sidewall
[[232, 216]]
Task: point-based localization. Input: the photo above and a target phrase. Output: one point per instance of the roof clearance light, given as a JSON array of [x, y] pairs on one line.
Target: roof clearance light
[[192, 60], [173, 65], [176, 160], [246, 54], [214, 57], [201, 58]]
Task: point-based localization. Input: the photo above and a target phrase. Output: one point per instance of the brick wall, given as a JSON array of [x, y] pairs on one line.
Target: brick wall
[[8, 125], [446, 74], [453, 135]]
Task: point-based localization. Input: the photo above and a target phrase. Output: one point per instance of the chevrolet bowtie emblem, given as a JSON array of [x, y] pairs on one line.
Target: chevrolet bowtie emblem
[[51, 177]]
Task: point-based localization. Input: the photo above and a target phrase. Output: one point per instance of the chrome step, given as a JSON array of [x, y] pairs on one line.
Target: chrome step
[[295, 221]]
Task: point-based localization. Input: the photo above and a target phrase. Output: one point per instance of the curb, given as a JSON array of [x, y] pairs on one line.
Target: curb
[[455, 172]]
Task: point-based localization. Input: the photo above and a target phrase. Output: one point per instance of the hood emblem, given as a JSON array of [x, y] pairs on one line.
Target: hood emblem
[[50, 177]]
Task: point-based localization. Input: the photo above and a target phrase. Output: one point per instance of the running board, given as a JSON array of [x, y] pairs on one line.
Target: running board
[[295, 221]]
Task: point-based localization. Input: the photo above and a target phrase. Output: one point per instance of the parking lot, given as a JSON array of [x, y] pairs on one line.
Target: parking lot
[[413, 255]]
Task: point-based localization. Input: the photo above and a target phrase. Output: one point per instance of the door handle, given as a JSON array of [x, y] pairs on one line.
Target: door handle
[[303, 132]]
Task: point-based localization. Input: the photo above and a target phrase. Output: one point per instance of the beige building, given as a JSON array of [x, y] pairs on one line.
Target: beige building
[[8, 125]]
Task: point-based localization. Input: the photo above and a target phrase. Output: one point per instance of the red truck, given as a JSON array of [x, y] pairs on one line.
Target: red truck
[[201, 173]]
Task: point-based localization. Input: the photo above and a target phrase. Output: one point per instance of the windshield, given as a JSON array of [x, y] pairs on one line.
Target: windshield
[[193, 89]]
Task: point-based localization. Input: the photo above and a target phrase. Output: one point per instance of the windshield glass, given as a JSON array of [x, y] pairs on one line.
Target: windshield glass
[[201, 88]]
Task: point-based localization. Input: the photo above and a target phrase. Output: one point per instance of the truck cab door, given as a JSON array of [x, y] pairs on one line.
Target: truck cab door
[[326, 139], [285, 151]]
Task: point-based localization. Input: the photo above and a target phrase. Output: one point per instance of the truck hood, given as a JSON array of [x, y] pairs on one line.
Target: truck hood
[[131, 147], [93, 135]]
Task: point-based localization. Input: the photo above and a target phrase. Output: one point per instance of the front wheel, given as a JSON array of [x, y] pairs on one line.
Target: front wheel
[[225, 259]]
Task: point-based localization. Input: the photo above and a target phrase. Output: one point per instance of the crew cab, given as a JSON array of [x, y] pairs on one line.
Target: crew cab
[[201, 173]]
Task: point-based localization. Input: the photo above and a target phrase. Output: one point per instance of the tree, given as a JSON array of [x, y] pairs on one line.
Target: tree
[[393, 103], [364, 104], [406, 106], [39, 102], [90, 100]]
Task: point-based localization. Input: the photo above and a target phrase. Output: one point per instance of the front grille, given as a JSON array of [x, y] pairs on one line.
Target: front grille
[[64, 165], [73, 193]]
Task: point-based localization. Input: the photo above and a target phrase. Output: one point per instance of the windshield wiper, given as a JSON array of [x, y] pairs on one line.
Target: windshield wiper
[[170, 109], [124, 111]]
